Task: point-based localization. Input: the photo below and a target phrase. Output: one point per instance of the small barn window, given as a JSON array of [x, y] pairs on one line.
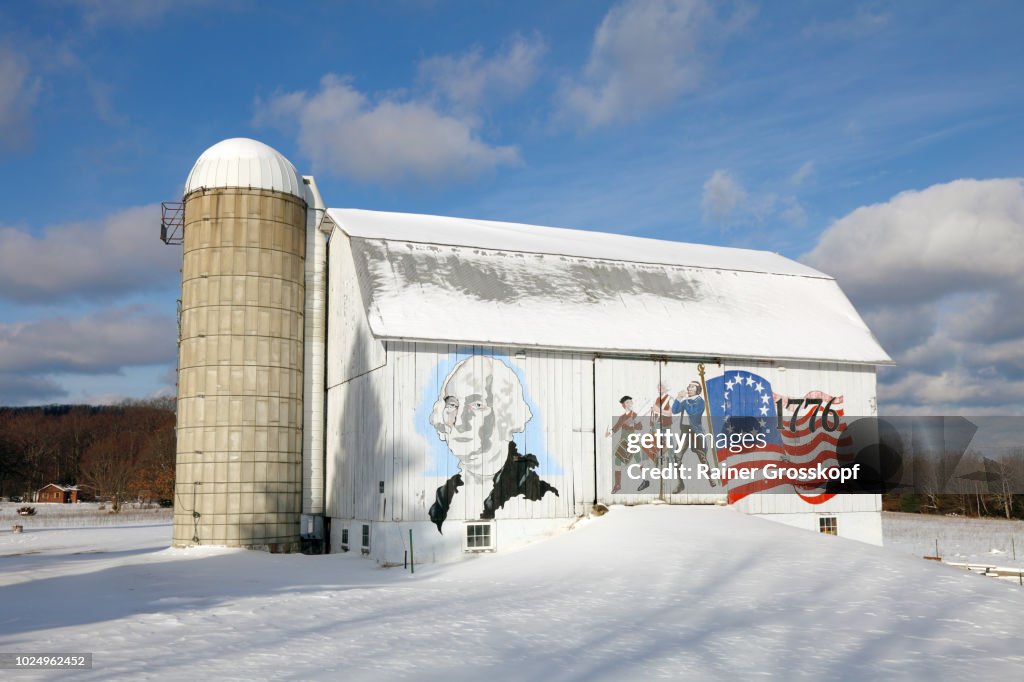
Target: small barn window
[[344, 539], [828, 525], [366, 538], [479, 537]]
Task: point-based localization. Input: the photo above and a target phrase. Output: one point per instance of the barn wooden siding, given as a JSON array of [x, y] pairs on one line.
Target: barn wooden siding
[[377, 432]]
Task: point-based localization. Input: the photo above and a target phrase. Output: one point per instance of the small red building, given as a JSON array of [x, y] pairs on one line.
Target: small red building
[[52, 492]]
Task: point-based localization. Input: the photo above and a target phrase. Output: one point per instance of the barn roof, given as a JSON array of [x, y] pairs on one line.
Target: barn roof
[[464, 281]]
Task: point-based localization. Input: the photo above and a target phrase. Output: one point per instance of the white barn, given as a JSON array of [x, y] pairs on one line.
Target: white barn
[[471, 385]]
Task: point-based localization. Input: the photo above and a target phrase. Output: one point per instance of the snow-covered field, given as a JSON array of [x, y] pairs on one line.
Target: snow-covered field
[[82, 515], [648, 592], [998, 542]]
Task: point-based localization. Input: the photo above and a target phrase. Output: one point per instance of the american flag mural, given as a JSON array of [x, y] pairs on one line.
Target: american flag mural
[[741, 402]]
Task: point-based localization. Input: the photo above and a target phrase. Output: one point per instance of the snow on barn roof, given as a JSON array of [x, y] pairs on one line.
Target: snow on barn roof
[[488, 234], [462, 281]]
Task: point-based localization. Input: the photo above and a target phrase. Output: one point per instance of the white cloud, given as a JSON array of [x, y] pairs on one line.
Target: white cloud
[[388, 141], [966, 235], [22, 390], [793, 213], [19, 91], [902, 327], [40, 357], [117, 255], [939, 275], [470, 81], [103, 342], [805, 170], [954, 391], [725, 201], [645, 54], [864, 22], [97, 13], [31, 66], [723, 197]]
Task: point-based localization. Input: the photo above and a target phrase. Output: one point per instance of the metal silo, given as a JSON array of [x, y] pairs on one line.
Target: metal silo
[[240, 381]]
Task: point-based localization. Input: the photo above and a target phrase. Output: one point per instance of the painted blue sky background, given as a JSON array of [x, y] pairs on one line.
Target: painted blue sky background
[[530, 440], [880, 142]]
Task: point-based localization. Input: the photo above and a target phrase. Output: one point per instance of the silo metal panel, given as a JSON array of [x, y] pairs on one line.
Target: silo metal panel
[[241, 423], [245, 175]]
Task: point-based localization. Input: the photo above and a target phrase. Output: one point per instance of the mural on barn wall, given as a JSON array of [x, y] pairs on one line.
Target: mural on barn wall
[[626, 424], [690, 406], [479, 408], [477, 412], [679, 412], [794, 430], [743, 402]]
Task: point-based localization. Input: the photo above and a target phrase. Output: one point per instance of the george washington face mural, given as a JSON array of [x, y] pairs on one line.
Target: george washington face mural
[[480, 406]]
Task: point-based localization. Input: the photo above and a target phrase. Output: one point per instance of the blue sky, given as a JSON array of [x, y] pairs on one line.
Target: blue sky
[[833, 132]]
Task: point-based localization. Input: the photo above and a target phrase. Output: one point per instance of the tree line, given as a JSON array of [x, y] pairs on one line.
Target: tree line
[[118, 453], [989, 486]]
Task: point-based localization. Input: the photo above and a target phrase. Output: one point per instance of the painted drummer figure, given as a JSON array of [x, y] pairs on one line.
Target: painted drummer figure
[[628, 423]]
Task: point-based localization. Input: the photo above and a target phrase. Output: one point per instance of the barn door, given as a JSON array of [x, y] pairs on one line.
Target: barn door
[[642, 396], [625, 394]]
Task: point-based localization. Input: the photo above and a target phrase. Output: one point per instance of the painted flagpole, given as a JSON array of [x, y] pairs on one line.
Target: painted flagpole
[[707, 407]]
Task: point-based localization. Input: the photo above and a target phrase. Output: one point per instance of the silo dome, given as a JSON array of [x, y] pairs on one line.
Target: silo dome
[[244, 163]]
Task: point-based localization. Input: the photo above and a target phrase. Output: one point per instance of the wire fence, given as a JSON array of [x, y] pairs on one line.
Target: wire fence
[[83, 515]]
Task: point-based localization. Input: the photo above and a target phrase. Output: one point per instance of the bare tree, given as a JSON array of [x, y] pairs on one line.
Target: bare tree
[[154, 479], [12, 464], [926, 480], [111, 465], [1010, 468], [30, 435]]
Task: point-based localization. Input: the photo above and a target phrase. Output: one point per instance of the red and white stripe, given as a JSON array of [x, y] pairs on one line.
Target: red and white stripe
[[801, 447]]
